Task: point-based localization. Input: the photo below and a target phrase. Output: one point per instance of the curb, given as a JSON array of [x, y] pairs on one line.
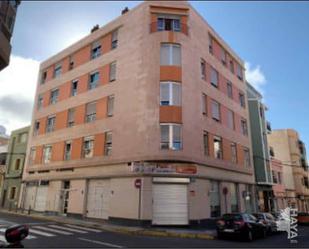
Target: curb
[[123, 230]]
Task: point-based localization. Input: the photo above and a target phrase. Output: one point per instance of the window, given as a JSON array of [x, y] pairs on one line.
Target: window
[[93, 80], [91, 112], [32, 156], [96, 50], [242, 100], [247, 157], [67, 150], [210, 44], [22, 138], [108, 143], [204, 104], [206, 143], [170, 136], [110, 105], [214, 196], [233, 152], [112, 71], [36, 128], [230, 119], [215, 108], [223, 56], [40, 102], [214, 80], [50, 123], [17, 164], [114, 39], [244, 128], [12, 193], [229, 89], [232, 67], [43, 77], [47, 151], [71, 113], [57, 70], [239, 72], [279, 178], [168, 23], [71, 62], [170, 93], [74, 87], [203, 69], [88, 147], [234, 197], [54, 96], [218, 147], [275, 179], [170, 54], [271, 151]]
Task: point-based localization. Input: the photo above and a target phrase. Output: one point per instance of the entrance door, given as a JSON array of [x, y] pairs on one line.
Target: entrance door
[[29, 197], [170, 204], [41, 197]]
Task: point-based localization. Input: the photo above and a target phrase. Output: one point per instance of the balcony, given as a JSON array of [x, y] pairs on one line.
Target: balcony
[[181, 27]]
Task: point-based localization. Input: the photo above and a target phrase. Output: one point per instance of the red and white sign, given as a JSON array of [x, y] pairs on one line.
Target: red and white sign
[[138, 183]]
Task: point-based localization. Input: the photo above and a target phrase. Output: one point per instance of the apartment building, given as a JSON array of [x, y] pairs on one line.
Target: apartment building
[[287, 147], [14, 167], [279, 196], [8, 9], [143, 121], [260, 149]]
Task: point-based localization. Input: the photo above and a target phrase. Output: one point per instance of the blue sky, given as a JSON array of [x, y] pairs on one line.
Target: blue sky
[[272, 36]]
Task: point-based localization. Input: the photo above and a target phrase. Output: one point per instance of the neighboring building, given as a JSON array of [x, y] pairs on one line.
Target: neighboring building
[[260, 150], [288, 148], [14, 167], [3, 153], [8, 9], [149, 107], [280, 201]]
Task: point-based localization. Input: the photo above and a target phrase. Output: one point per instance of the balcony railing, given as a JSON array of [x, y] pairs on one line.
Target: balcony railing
[[183, 28]]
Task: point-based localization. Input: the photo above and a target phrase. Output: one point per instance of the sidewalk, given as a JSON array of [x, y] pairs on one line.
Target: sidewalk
[[133, 230]]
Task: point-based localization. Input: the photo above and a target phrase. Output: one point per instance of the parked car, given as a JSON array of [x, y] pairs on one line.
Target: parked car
[[243, 225], [303, 218], [268, 220]]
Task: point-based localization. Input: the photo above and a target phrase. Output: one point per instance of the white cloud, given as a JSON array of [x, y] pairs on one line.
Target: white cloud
[[18, 83], [255, 77]]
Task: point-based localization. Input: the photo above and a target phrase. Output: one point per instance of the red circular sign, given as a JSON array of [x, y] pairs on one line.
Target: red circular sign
[[138, 183]]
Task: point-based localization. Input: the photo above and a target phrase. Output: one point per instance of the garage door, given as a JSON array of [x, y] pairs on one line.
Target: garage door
[[98, 199], [40, 199], [29, 197], [170, 204]]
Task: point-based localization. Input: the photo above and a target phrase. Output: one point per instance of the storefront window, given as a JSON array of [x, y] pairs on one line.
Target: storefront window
[[215, 209]]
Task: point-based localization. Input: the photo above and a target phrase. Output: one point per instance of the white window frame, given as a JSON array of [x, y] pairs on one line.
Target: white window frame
[[170, 93], [170, 54], [171, 136], [47, 157]]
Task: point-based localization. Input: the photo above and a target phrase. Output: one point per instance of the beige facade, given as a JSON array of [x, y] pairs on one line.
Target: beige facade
[[291, 151], [104, 184]]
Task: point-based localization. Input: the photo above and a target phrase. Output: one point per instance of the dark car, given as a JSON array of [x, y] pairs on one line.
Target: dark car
[[268, 220], [303, 218], [243, 225]]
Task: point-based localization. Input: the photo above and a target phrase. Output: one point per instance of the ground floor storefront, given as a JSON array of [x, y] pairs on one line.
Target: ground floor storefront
[[171, 194]]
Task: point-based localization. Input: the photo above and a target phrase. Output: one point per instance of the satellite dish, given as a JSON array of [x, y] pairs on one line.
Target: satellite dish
[[2, 130]]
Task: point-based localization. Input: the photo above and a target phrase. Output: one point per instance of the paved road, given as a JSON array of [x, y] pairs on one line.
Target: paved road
[[51, 234]]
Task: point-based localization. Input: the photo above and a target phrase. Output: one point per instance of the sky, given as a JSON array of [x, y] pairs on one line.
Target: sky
[[271, 37]]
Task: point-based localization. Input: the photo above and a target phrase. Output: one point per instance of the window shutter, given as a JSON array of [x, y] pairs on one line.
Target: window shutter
[[176, 55], [164, 54], [91, 108], [176, 88]]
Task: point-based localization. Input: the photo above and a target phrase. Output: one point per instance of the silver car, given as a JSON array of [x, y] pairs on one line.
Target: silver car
[[268, 220]]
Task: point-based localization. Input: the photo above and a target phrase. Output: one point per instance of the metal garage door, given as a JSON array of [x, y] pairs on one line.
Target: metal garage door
[[98, 199], [40, 199], [170, 204], [29, 197]]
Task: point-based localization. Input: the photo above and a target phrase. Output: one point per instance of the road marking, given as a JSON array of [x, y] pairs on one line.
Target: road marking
[[31, 230], [53, 230], [84, 228], [68, 229], [2, 238], [100, 243]]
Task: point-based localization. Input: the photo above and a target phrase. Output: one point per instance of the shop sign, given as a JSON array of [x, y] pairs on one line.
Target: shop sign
[[162, 168]]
